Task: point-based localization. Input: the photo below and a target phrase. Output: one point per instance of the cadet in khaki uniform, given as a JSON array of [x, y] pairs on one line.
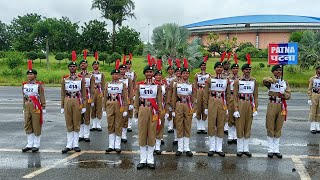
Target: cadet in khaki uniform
[[245, 107], [184, 107], [168, 79], [279, 92], [169, 97], [314, 101], [89, 82], [73, 97], [129, 89], [133, 76], [115, 107], [148, 106], [158, 79], [96, 110], [34, 106], [226, 74], [200, 81], [232, 133], [216, 92]]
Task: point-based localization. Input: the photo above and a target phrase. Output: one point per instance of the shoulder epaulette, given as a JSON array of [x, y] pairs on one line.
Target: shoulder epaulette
[[39, 82], [23, 83], [65, 76]]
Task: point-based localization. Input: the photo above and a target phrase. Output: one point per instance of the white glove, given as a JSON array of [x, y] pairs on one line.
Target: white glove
[[44, 111], [206, 111], [194, 115], [136, 120], [125, 114], [92, 104], [227, 112], [130, 107], [173, 114], [83, 110], [166, 115], [104, 113], [134, 97], [22, 111], [310, 102], [61, 110], [170, 109], [255, 113], [236, 114]]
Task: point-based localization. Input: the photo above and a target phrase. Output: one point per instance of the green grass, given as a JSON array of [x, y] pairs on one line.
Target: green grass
[[52, 76]]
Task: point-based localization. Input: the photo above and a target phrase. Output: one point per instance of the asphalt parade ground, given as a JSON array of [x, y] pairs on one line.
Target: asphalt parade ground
[[300, 149]]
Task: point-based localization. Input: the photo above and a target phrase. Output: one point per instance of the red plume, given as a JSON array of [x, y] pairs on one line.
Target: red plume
[[29, 64], [205, 59], [149, 60], [185, 63], [170, 62], [124, 60], [248, 58], [73, 56], [130, 56], [159, 63], [96, 56], [178, 63], [153, 61], [235, 57], [117, 64], [223, 56], [85, 54], [229, 55]]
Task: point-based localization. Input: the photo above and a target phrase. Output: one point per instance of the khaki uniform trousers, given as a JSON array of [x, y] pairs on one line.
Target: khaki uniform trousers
[[96, 110], [274, 120], [31, 120], [161, 130], [114, 117], [86, 115], [200, 107], [72, 114], [314, 114], [231, 119], [243, 124], [183, 120], [216, 117], [147, 127]]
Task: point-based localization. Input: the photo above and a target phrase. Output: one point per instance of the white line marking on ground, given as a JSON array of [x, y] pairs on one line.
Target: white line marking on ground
[[300, 168], [44, 169]]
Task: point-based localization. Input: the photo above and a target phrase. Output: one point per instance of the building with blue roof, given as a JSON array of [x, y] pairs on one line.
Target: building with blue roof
[[260, 30]]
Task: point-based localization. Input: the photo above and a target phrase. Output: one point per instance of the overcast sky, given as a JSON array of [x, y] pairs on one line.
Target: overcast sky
[[157, 12]]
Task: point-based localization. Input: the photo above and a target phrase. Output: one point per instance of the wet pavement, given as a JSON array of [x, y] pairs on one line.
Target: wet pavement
[[299, 147]]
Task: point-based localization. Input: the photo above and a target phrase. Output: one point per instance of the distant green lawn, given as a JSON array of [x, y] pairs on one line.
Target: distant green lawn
[[52, 76]]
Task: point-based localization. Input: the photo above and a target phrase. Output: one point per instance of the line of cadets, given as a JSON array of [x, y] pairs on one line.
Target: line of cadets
[[226, 100]]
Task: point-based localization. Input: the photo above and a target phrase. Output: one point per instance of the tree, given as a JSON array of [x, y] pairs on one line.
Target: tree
[[296, 36], [95, 36], [215, 45], [116, 11], [309, 49], [127, 39], [22, 29], [4, 37], [171, 41]]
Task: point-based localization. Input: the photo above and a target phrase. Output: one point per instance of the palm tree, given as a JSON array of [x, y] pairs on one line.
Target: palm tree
[[309, 49], [116, 11], [171, 41]]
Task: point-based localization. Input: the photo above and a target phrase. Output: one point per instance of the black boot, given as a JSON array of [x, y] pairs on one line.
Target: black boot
[[35, 149], [124, 140], [162, 142], [65, 150], [247, 154], [118, 151], [210, 153], [77, 149], [129, 130], [93, 129], [81, 139], [278, 155], [87, 139], [151, 166], [313, 131], [178, 153], [239, 154], [26, 149], [230, 141], [199, 132], [99, 129], [175, 142], [189, 153], [204, 132], [270, 155], [221, 154], [109, 150], [157, 152], [170, 131], [141, 165]]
